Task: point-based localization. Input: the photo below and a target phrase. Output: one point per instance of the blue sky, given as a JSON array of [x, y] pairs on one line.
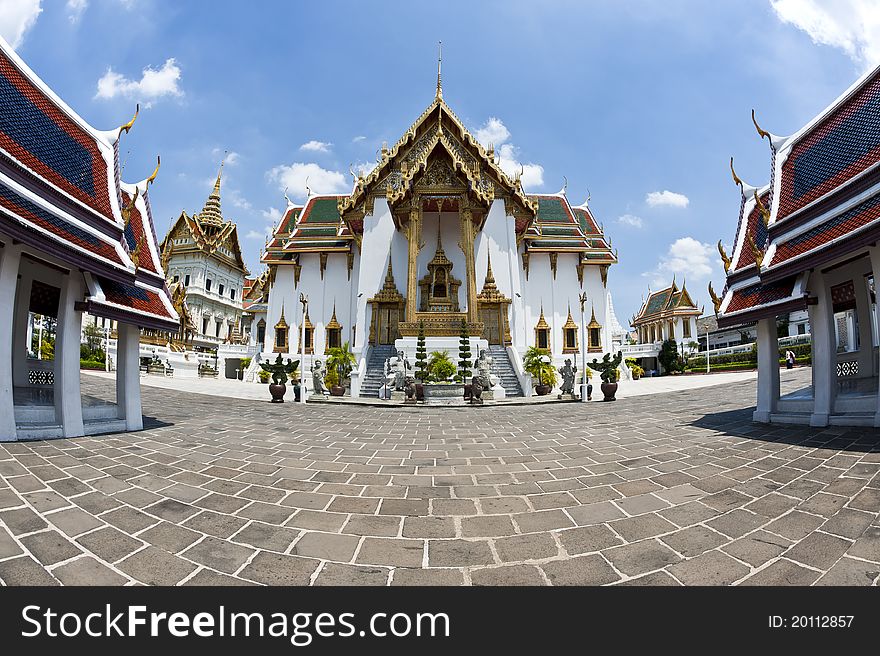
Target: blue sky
[[640, 102]]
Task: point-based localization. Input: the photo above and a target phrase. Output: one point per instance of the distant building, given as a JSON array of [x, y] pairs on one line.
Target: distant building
[[202, 252]]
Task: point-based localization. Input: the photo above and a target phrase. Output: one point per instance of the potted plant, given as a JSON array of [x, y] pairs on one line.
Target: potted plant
[[264, 376], [607, 369], [634, 368], [243, 364], [440, 368], [331, 381], [279, 371], [538, 363], [340, 361]]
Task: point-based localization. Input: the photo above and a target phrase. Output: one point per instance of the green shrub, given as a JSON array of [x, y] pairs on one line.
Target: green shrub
[[92, 364], [440, 367], [543, 373], [421, 355]]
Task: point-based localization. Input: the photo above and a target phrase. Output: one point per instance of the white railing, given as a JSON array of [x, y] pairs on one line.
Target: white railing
[[525, 379], [789, 340], [648, 350]]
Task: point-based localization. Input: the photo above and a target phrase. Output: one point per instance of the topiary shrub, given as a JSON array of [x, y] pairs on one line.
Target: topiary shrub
[[421, 355]]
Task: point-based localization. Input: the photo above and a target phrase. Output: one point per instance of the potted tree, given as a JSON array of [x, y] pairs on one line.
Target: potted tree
[[634, 368], [264, 376], [607, 369], [538, 363], [279, 371], [340, 361]]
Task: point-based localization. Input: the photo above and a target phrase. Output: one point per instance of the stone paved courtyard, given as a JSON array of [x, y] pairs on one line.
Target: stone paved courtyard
[[675, 488]]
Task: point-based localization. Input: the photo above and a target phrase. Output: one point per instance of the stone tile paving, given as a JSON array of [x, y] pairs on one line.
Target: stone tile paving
[[678, 488]]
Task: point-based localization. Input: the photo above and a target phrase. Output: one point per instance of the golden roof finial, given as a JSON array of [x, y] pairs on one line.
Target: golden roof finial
[[125, 128], [126, 211], [765, 213], [439, 64], [152, 177], [736, 179], [762, 132], [715, 300], [724, 257], [756, 252]]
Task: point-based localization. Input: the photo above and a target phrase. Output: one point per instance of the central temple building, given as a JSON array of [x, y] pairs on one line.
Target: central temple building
[[436, 234]]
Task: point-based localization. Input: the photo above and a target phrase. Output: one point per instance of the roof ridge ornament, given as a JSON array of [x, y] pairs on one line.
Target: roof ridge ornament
[[715, 300], [736, 178], [765, 213], [155, 172], [724, 257], [125, 128], [760, 130]]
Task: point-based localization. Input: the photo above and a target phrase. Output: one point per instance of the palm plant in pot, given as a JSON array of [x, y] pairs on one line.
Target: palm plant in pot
[[538, 363], [607, 369], [440, 368], [340, 362]]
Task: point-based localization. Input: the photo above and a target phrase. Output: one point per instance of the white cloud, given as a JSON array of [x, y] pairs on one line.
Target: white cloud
[[75, 9], [364, 168], [154, 84], [631, 220], [496, 133], [16, 18], [358, 138], [686, 258], [234, 197], [315, 146], [666, 198], [272, 215], [493, 132], [850, 25], [293, 177], [253, 234]]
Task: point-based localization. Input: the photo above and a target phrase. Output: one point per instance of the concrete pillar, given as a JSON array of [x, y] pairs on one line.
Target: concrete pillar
[[128, 377], [824, 351], [10, 257], [768, 370], [68, 400]]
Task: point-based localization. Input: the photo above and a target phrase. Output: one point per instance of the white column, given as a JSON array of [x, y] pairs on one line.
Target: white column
[[128, 376], [11, 256], [768, 370], [874, 252], [68, 400], [824, 351]]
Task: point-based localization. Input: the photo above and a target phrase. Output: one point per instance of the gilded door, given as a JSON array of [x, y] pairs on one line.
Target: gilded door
[[386, 328], [491, 324]]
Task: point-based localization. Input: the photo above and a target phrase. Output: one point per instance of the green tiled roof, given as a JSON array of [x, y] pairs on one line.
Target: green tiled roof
[[657, 301], [587, 225], [309, 231], [560, 230], [552, 210], [322, 210]]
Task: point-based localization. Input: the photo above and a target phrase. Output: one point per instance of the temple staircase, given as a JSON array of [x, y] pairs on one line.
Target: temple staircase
[[502, 367], [374, 377]]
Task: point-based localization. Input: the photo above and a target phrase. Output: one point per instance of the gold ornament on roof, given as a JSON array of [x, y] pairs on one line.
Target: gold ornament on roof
[[756, 252], [155, 172], [724, 257], [126, 210], [211, 213], [736, 179], [765, 213], [715, 300], [761, 131], [125, 128]]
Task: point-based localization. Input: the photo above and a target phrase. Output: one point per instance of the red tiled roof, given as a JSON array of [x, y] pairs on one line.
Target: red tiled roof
[[758, 295], [754, 227], [839, 147]]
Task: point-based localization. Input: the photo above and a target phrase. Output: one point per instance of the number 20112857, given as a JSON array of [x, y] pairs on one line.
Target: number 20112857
[[810, 621]]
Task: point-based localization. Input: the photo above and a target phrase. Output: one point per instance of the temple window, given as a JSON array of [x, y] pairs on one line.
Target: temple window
[[208, 285], [570, 335], [186, 280], [220, 289], [542, 332], [205, 326], [309, 334], [686, 327], [261, 332], [334, 331], [281, 338], [594, 334]]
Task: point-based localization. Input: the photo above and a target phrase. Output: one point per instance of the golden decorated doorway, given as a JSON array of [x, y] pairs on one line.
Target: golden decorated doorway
[[491, 318], [387, 318]]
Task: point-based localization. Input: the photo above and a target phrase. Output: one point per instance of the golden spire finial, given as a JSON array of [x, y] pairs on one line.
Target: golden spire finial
[[736, 179], [211, 213], [155, 171], [439, 64], [125, 128], [490, 277]]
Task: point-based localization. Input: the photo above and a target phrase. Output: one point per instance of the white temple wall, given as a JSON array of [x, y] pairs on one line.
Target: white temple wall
[[498, 239], [380, 236], [597, 296], [281, 294]]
